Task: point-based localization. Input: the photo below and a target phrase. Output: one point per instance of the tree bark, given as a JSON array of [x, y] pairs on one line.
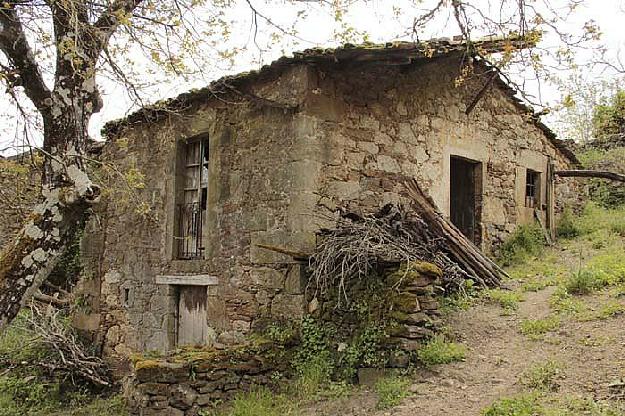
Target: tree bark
[[30, 258]]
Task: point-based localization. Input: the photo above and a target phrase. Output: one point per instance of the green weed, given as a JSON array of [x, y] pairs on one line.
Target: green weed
[[542, 377], [567, 227], [610, 309], [507, 299], [526, 241], [534, 328], [262, 402], [391, 391], [522, 405], [582, 282], [439, 351]]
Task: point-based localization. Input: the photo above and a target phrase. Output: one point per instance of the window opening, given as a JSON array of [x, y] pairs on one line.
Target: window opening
[[532, 188], [191, 209]]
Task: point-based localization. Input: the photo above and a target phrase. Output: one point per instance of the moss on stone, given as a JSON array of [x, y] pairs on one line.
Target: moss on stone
[[404, 302], [145, 364]]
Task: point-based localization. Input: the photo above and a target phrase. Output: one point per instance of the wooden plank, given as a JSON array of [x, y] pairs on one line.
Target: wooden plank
[[192, 318]]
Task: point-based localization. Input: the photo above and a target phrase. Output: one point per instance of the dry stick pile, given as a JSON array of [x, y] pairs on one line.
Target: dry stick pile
[[359, 245], [71, 357]]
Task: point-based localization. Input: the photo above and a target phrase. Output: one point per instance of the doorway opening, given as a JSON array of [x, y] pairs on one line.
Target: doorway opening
[[466, 197]]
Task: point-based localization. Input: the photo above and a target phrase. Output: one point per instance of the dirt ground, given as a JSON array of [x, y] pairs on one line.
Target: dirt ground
[[591, 355]]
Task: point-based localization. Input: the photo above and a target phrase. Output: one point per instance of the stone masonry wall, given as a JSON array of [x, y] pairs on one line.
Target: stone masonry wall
[[378, 121], [253, 173], [319, 139], [184, 387]]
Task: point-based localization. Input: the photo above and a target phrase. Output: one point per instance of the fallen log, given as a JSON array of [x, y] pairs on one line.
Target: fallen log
[[591, 174]]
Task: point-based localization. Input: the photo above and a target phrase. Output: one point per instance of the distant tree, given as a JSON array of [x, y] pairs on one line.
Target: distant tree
[[609, 119]]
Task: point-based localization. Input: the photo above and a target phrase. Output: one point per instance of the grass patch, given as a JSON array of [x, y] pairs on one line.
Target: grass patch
[[582, 282], [573, 406], [525, 242], [561, 301], [610, 309], [110, 406], [262, 402], [534, 328], [440, 351], [542, 377], [507, 299], [522, 405], [391, 391]]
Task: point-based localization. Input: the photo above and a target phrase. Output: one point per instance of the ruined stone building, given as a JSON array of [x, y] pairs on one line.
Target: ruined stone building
[[204, 190]]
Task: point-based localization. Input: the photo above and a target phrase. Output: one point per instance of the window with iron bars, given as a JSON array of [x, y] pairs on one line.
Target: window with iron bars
[[191, 206], [532, 189]]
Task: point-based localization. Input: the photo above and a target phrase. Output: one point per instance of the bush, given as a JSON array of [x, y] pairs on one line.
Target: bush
[[439, 351], [526, 241], [567, 227], [391, 391]]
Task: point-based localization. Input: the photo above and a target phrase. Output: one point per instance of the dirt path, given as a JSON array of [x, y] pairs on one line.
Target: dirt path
[[592, 355]]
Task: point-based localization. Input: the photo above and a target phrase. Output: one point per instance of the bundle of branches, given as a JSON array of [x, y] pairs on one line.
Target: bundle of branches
[[360, 245], [69, 356]]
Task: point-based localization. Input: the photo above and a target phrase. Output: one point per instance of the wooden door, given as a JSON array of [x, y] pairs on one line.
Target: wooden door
[[192, 328]]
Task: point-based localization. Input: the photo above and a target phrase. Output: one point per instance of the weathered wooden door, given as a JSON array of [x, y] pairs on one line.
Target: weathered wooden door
[[463, 197], [192, 328]]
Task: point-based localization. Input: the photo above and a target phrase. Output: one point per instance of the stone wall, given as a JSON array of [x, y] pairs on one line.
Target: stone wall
[[298, 146], [185, 386], [380, 120], [254, 174]]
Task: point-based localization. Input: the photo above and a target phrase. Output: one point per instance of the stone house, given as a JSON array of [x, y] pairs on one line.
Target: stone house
[[213, 191]]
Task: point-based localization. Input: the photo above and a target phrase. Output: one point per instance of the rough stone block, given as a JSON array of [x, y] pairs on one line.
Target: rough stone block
[[295, 283]]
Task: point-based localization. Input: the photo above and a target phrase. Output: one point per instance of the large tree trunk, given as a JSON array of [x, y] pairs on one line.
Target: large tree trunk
[[67, 195]]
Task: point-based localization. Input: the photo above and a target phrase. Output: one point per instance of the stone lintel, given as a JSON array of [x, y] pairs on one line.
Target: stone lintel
[[187, 280]]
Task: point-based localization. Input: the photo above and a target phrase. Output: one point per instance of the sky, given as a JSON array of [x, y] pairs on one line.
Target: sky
[[378, 20]]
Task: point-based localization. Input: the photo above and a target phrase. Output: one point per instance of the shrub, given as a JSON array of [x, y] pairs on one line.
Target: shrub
[[582, 282], [543, 376], [536, 327], [391, 391], [439, 351], [527, 240], [523, 405], [567, 228]]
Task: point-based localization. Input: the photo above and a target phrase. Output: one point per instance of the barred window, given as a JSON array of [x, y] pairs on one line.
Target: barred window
[[191, 208]]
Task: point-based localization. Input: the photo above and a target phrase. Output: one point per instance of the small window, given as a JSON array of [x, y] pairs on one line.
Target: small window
[[532, 189], [191, 208]]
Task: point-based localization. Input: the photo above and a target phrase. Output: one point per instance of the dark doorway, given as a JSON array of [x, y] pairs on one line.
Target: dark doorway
[[466, 197]]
